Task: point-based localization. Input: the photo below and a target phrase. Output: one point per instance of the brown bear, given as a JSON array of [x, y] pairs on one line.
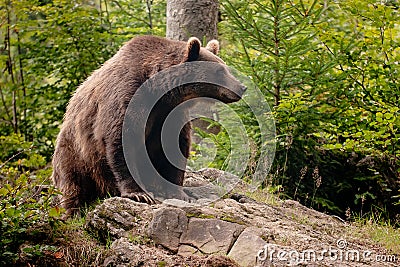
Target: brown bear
[[88, 161]]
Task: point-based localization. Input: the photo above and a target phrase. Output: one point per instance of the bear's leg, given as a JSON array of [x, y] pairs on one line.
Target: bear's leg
[[71, 199], [184, 145], [70, 189], [174, 173], [65, 177], [126, 184], [77, 189]]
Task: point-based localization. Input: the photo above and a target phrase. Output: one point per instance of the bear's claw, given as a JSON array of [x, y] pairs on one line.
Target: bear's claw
[[140, 197]]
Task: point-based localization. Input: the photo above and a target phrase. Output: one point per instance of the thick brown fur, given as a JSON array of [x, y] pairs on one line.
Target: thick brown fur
[[88, 161]]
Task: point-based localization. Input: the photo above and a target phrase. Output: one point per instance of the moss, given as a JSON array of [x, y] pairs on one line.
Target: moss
[[140, 240], [232, 220], [199, 215]]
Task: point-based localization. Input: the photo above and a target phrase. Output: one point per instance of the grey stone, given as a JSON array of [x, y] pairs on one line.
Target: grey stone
[[220, 234], [211, 236], [116, 216], [124, 254], [220, 261], [186, 250], [193, 179], [167, 226], [247, 246]]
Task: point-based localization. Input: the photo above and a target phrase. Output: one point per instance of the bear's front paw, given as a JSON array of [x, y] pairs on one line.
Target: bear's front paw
[[139, 197]]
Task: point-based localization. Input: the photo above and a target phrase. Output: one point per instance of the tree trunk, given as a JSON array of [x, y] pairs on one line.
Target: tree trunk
[[187, 18]]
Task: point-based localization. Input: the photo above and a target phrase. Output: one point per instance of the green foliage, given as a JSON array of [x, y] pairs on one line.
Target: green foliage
[[11, 145], [367, 94], [47, 48], [376, 226], [225, 146], [364, 101], [397, 198], [26, 211], [214, 149], [129, 18], [329, 69]]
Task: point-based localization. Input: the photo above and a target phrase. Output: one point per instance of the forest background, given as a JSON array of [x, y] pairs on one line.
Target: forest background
[[328, 69]]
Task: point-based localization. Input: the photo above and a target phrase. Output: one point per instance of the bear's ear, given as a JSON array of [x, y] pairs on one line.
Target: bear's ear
[[213, 47], [192, 49]]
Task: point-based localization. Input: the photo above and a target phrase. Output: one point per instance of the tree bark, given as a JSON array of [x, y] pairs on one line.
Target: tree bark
[[187, 18]]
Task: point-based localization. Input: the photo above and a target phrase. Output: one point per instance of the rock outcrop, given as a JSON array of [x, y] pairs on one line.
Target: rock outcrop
[[237, 231]]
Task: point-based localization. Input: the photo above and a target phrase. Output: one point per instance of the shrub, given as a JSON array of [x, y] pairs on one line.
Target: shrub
[[26, 208]]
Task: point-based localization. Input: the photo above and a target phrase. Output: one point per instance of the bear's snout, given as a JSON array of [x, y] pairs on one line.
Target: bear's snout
[[240, 90]]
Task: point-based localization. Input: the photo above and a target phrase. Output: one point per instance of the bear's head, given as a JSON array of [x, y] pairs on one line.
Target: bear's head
[[228, 89]]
